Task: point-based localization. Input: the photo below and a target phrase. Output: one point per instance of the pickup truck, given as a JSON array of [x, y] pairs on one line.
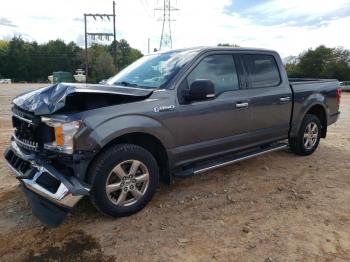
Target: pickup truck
[[345, 85], [175, 113]]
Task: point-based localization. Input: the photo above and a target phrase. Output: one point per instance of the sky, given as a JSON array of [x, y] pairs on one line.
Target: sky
[[288, 27]]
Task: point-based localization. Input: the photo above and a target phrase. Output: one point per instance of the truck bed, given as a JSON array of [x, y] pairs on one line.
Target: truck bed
[[321, 91]]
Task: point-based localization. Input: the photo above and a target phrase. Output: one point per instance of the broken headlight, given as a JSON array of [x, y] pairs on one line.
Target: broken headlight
[[64, 134]]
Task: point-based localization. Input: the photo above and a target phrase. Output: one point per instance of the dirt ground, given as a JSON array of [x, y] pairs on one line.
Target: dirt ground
[[276, 207]]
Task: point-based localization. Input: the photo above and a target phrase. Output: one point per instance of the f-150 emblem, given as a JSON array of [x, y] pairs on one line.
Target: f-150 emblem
[[163, 108]]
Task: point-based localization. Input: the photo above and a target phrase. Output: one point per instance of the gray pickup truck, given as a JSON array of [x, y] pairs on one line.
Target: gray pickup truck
[[175, 113]]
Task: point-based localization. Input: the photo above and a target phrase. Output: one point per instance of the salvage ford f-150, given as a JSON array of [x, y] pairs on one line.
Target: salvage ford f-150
[[174, 113]]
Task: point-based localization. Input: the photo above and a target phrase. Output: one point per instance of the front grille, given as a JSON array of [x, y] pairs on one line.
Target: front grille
[[24, 115], [23, 168], [30, 132], [27, 144]]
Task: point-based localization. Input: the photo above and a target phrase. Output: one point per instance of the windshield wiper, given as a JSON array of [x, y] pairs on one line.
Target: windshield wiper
[[125, 83]]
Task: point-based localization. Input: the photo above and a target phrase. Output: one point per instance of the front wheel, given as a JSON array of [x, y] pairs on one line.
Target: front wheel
[[308, 137], [124, 178]]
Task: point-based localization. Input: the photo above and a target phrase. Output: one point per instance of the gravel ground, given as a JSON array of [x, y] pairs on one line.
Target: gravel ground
[[276, 207]]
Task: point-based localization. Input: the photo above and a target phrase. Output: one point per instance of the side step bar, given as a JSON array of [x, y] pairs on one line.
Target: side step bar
[[224, 161]]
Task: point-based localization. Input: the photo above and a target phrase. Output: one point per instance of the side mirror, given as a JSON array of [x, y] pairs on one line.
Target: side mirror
[[200, 89]]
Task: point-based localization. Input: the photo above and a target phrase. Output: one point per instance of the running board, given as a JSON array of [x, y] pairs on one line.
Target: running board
[[224, 161]]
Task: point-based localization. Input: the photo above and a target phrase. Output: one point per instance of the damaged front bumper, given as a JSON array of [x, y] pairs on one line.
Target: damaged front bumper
[[51, 194]]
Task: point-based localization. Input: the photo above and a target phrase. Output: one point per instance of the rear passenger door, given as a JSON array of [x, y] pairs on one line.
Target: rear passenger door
[[270, 98]]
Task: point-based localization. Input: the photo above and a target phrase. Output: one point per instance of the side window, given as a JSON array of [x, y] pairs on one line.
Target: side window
[[220, 69], [262, 70]]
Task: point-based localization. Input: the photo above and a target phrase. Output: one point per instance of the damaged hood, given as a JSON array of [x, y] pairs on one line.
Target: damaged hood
[[50, 99]]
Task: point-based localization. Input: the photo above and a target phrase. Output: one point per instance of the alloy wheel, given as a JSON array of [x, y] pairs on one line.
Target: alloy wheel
[[310, 135], [127, 182]]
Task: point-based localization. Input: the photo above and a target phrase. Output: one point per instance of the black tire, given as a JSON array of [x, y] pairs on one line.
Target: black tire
[[297, 144], [102, 168]]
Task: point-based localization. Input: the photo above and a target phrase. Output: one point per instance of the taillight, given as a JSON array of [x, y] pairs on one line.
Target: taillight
[[338, 92]]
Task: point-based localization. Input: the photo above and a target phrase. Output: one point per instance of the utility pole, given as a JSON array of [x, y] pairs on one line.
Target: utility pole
[[86, 51], [99, 35], [114, 38], [166, 38]]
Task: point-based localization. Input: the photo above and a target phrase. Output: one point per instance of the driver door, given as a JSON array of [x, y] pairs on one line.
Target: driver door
[[213, 126]]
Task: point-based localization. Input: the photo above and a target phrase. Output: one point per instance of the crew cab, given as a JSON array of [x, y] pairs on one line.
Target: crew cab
[[174, 113]]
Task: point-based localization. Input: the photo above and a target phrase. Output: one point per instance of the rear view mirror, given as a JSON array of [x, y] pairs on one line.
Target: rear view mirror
[[200, 89]]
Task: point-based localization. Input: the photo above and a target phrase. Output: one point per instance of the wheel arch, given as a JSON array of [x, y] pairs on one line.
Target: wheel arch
[[149, 142], [319, 110]]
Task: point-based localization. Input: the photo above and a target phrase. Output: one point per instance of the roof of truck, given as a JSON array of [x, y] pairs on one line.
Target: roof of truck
[[216, 48]]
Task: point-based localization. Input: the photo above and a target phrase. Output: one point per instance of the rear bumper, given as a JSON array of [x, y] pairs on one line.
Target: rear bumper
[[49, 192]]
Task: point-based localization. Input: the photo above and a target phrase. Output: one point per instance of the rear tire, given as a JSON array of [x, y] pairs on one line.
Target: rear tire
[[124, 179], [308, 138]]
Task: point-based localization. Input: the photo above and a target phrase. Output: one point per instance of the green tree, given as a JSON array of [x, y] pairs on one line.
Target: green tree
[[31, 62], [125, 54], [17, 63], [101, 63], [3, 57], [58, 56], [322, 62], [104, 66], [292, 70]]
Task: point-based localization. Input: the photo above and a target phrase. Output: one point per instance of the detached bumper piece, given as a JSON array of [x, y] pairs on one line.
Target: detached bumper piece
[[50, 193]]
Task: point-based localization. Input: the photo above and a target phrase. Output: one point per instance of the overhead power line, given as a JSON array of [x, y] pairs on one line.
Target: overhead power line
[[146, 8]]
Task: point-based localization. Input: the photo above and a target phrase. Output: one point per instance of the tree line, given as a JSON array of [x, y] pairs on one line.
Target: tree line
[[321, 62], [32, 62]]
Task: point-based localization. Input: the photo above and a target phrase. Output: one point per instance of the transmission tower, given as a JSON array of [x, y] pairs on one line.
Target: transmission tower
[[166, 39]]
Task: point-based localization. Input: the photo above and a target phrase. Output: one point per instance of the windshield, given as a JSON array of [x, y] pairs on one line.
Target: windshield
[[153, 71]]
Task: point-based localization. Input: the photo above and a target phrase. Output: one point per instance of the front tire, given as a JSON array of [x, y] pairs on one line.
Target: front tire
[[124, 179], [308, 138]]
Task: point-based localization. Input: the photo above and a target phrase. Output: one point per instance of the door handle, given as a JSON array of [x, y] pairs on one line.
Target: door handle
[[241, 105], [285, 99]]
